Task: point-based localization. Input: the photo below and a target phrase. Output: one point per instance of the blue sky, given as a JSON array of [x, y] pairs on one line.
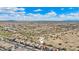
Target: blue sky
[[39, 13], [58, 10]]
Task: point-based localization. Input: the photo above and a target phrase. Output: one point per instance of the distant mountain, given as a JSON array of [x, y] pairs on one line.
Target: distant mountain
[[71, 20], [39, 21], [7, 20], [11, 20]]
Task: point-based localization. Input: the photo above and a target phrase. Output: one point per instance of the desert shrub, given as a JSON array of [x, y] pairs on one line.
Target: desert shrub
[[66, 42], [77, 46], [53, 38], [63, 49], [70, 46], [49, 45], [59, 43], [77, 35]]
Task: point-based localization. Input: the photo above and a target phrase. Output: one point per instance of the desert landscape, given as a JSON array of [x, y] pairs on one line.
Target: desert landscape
[[39, 36]]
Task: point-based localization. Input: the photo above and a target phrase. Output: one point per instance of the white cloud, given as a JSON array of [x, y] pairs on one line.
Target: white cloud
[[34, 15], [70, 16], [10, 13], [11, 9], [62, 15], [52, 13], [37, 10], [74, 14]]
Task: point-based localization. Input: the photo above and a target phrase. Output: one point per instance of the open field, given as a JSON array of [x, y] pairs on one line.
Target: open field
[[26, 36]]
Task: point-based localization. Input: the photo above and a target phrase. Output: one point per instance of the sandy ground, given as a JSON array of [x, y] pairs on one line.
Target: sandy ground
[[57, 36]]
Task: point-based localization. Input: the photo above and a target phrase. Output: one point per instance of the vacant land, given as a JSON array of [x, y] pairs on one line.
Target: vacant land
[[36, 36]]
